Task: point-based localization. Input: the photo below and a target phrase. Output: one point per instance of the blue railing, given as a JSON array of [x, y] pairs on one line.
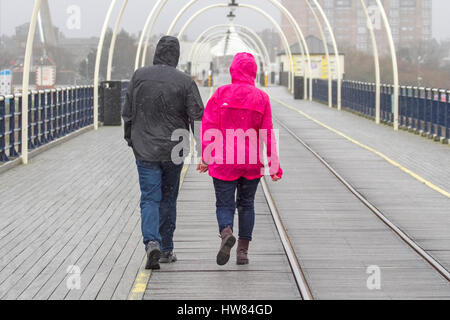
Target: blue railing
[[52, 114], [423, 110]]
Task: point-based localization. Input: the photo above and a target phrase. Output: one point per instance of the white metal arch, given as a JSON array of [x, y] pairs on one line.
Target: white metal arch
[[144, 30], [327, 53], [221, 34], [336, 53], [209, 40], [247, 40], [113, 40], [26, 79], [254, 34], [267, 16], [299, 34], [98, 61], [376, 63], [253, 45], [149, 33], [394, 61]]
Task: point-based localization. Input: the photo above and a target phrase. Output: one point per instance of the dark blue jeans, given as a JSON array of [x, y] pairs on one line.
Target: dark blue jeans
[[228, 200], [160, 182]]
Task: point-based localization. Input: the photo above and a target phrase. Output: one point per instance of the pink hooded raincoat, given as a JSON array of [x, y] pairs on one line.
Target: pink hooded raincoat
[[236, 122]]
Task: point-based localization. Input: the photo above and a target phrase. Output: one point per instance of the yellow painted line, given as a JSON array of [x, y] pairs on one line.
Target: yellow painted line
[[143, 277], [378, 153], [140, 284]]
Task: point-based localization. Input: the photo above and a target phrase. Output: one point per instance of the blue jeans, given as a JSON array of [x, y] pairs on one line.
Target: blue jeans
[[227, 202], [160, 182]]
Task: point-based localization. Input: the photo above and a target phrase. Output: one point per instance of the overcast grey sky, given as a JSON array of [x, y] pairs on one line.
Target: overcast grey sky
[[16, 12]]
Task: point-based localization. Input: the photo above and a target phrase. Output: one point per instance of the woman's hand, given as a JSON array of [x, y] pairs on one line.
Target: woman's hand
[[275, 178], [202, 167]]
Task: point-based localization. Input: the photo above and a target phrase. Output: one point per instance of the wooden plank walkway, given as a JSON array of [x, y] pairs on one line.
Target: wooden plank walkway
[[417, 209], [76, 204], [197, 276]]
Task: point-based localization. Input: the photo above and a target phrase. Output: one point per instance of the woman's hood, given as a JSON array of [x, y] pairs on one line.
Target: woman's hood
[[244, 68]]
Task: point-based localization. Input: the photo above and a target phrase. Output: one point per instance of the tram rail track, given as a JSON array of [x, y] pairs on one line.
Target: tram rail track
[[436, 265]]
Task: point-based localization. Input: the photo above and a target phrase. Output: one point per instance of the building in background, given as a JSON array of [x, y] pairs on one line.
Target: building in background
[[411, 22], [319, 62]]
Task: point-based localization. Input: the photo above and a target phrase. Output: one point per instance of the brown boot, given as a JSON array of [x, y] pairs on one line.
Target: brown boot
[[242, 251], [228, 241]]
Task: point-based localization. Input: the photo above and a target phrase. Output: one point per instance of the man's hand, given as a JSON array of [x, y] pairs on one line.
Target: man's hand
[[202, 167], [275, 178]]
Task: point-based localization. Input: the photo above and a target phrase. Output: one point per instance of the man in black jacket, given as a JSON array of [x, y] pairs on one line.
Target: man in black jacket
[[161, 102]]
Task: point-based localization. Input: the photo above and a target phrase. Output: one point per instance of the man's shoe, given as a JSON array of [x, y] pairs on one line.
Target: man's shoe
[[153, 255], [168, 257], [228, 241], [242, 252]]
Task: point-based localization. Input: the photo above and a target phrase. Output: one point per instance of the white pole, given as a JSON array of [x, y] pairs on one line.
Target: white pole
[[394, 61], [283, 36], [113, 41], [149, 34], [26, 79], [141, 39], [98, 61], [301, 40], [377, 64], [327, 53], [336, 53]]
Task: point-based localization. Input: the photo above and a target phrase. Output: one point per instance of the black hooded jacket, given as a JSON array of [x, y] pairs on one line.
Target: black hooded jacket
[[160, 100]]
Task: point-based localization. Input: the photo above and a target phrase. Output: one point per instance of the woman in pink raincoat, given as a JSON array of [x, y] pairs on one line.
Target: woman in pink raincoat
[[236, 124]]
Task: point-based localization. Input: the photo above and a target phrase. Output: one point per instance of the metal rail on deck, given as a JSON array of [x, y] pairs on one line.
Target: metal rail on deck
[[400, 233], [294, 263]]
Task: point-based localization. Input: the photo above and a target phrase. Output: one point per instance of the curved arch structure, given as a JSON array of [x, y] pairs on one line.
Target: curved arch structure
[[376, 63], [144, 30], [249, 42], [254, 34], [262, 12], [149, 33], [221, 34], [98, 61], [26, 79], [112, 46], [327, 53], [336, 53], [299, 34], [394, 61]]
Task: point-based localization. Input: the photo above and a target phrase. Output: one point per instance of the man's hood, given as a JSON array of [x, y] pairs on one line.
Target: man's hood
[[167, 52], [244, 68]]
